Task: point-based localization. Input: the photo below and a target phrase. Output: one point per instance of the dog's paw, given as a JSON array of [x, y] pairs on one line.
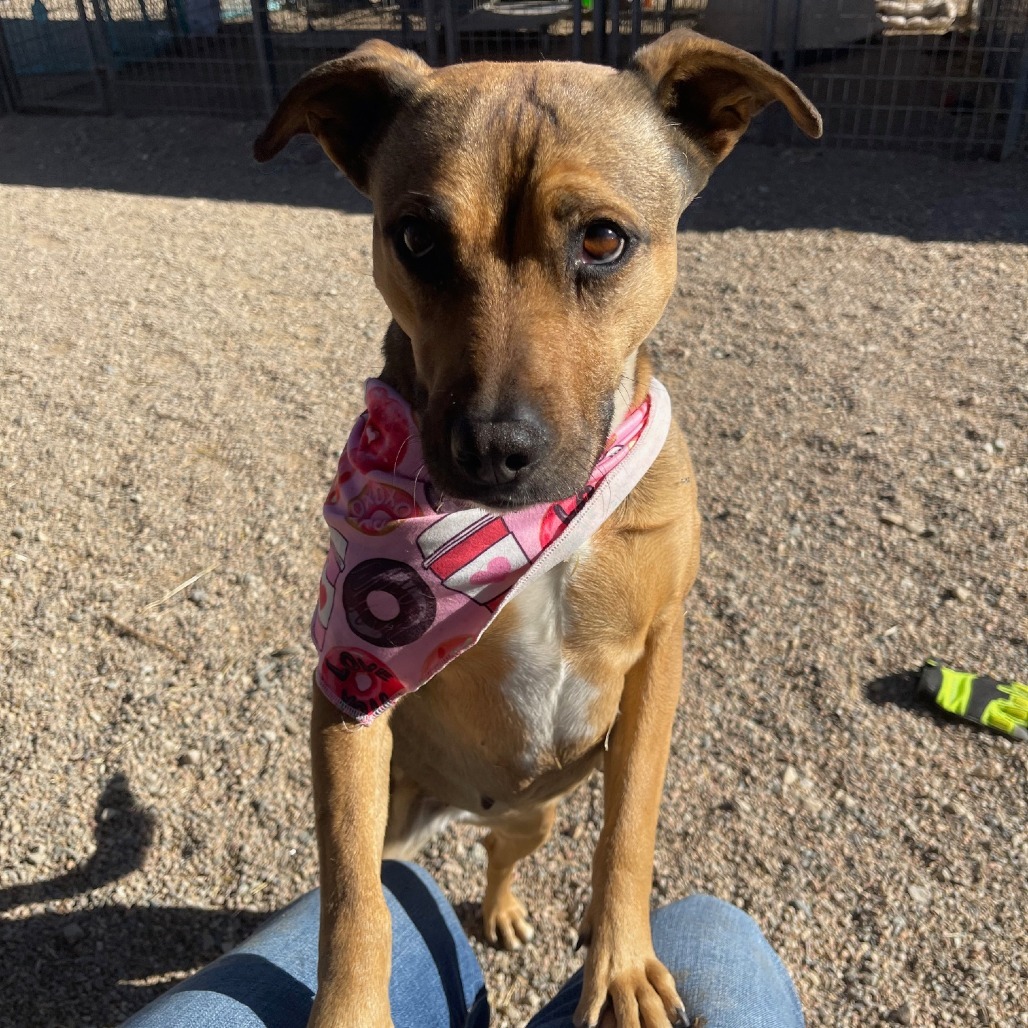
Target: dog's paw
[[506, 923], [628, 993]]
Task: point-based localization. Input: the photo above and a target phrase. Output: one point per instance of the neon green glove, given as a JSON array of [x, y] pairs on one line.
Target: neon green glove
[[999, 705]]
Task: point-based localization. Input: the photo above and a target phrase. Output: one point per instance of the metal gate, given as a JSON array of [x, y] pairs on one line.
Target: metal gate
[[50, 58], [955, 82]]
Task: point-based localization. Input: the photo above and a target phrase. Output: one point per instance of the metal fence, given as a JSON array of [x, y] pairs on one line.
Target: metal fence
[[946, 75]]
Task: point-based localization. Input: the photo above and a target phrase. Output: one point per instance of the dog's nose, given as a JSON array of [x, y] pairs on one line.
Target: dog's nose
[[496, 451]]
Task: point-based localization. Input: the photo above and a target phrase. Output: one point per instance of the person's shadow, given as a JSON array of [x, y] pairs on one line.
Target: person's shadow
[[97, 966]]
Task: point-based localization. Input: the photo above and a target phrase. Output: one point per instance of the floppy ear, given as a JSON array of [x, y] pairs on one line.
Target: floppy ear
[[346, 104], [710, 90]]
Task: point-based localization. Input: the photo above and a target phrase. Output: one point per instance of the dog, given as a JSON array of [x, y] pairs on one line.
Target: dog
[[525, 226]]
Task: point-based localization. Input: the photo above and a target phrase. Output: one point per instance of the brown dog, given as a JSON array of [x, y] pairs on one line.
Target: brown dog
[[525, 241]]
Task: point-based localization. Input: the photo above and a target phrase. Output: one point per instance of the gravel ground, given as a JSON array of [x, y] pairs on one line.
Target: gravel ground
[[184, 335]]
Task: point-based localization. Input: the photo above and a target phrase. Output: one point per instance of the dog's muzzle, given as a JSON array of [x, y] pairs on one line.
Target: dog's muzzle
[[498, 452]]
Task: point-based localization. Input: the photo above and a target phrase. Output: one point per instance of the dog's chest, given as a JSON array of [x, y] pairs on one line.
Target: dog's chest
[[539, 686]]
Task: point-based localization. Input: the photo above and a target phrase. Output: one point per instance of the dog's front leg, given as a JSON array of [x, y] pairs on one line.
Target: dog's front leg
[[625, 984], [350, 767]]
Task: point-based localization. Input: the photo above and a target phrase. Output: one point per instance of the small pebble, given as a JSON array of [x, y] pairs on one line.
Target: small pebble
[[36, 856], [189, 758], [958, 592], [919, 894], [18, 532], [790, 776], [903, 1014], [802, 906], [197, 596]]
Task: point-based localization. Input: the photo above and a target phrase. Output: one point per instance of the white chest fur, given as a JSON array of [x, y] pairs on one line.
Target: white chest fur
[[542, 692]]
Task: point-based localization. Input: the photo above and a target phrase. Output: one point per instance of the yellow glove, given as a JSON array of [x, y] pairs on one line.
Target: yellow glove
[[999, 705]]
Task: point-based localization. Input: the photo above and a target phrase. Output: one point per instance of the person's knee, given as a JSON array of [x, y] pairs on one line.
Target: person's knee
[[707, 916], [399, 876]]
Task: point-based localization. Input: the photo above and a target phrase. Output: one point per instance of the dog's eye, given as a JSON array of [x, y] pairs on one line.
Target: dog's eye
[[603, 243], [418, 238]]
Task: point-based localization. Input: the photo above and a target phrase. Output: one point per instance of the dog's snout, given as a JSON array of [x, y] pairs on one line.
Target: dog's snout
[[497, 451]]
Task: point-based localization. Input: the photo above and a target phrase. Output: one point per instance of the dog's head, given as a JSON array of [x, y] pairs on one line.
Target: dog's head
[[525, 222]]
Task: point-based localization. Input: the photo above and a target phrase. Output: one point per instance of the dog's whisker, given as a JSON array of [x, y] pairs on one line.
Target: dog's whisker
[[417, 475], [399, 450]]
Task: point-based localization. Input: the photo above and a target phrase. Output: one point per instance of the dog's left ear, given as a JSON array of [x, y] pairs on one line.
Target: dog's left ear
[[710, 90], [347, 105]]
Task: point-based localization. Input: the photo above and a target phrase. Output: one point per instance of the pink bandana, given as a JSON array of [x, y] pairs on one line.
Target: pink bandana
[[410, 582]]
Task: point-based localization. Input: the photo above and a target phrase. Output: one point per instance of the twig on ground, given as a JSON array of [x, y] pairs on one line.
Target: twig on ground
[[178, 588]]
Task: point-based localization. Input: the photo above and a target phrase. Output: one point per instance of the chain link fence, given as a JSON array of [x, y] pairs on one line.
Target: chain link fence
[[944, 75]]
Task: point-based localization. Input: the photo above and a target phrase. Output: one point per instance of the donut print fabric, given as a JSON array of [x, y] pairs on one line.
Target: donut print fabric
[[411, 582]]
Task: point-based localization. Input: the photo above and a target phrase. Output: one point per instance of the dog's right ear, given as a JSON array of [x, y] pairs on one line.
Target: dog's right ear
[[346, 104]]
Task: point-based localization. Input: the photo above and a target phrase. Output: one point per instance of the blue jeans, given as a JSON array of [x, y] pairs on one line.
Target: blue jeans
[[727, 974]]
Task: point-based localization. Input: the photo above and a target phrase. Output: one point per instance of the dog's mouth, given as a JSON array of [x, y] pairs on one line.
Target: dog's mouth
[[500, 475], [545, 485]]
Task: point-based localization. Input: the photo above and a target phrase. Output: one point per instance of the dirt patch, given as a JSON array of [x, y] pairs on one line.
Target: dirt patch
[[847, 351]]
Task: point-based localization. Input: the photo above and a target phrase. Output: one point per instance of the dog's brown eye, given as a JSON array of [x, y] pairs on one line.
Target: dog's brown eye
[[418, 238], [602, 243]]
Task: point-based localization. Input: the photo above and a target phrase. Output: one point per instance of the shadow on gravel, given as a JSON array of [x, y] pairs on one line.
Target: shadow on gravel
[[102, 955], [900, 690], [916, 196]]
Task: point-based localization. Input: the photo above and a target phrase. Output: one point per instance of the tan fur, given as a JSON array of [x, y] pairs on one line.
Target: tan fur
[[509, 161]]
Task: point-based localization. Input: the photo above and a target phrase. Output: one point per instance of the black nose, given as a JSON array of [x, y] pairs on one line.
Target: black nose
[[496, 451]]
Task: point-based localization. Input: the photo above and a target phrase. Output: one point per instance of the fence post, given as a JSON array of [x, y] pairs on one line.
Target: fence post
[[599, 29], [1015, 119], [450, 32], [614, 41], [767, 53], [431, 35], [265, 54], [792, 44], [637, 12], [576, 30], [8, 80], [103, 62], [770, 24]]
